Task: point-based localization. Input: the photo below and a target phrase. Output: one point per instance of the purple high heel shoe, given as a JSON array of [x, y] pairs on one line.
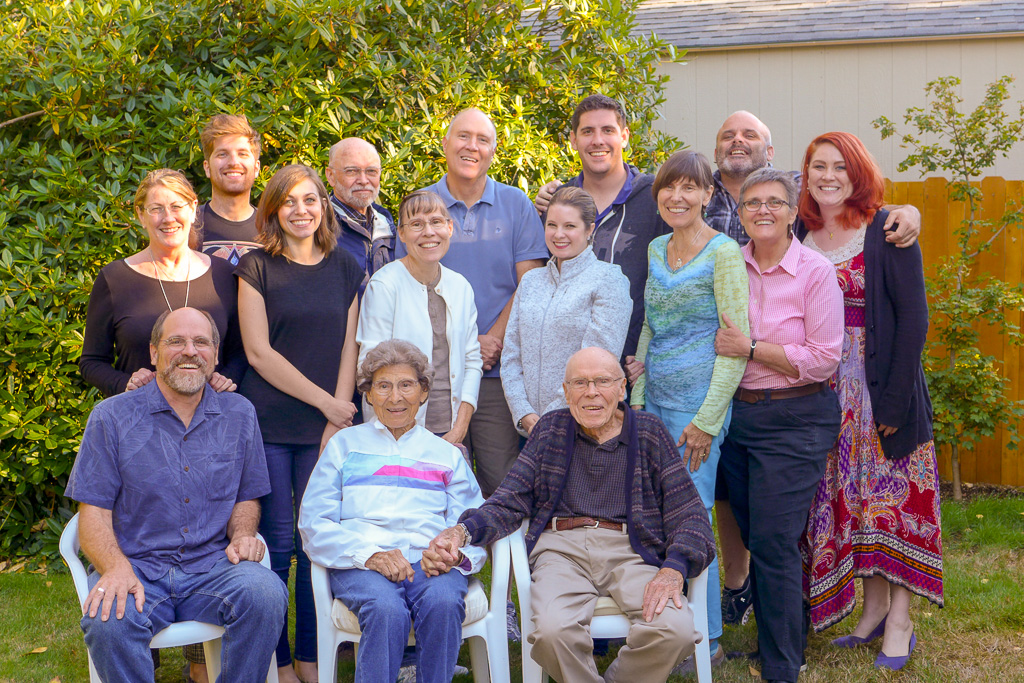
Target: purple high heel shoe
[[857, 641], [884, 661]]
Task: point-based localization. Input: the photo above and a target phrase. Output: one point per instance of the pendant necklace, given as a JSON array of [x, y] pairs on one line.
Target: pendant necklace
[[679, 260], [188, 281]]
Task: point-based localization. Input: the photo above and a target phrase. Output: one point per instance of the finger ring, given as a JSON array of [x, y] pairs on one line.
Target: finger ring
[[101, 589]]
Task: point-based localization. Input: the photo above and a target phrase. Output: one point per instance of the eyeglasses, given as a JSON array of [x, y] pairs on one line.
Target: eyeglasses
[[157, 211], [406, 387], [583, 383], [353, 172], [752, 205], [179, 343], [418, 226]]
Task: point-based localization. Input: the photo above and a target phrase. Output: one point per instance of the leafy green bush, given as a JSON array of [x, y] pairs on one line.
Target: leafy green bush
[[94, 94]]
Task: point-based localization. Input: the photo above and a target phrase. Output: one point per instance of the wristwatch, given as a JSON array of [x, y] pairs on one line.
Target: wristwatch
[[753, 345], [465, 531]]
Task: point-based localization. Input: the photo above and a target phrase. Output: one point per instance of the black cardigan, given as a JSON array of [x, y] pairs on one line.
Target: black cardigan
[[896, 325]]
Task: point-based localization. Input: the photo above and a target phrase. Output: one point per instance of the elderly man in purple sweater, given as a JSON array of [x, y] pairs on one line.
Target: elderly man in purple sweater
[[613, 513]]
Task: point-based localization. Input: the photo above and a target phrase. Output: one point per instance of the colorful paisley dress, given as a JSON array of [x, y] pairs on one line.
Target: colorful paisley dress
[[871, 516]]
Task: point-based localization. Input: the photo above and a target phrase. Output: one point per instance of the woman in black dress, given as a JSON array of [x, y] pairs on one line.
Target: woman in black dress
[[130, 294], [298, 312]]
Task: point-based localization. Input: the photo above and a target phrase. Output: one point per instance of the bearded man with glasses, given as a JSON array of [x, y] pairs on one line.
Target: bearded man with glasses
[[168, 477], [613, 512], [367, 228]]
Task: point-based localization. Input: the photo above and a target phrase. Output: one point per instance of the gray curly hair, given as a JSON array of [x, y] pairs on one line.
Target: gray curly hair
[[394, 352]]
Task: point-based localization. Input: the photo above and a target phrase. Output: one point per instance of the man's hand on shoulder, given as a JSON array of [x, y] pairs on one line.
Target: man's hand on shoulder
[[114, 585], [907, 220], [543, 197], [666, 585], [244, 547]]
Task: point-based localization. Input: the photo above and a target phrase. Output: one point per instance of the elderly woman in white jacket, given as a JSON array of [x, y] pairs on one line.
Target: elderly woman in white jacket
[[378, 495], [574, 302], [417, 299]]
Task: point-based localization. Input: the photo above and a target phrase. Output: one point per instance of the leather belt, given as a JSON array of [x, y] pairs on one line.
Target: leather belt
[[756, 395], [567, 523]]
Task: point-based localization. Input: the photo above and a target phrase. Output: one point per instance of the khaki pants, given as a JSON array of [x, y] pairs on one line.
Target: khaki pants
[[570, 570]]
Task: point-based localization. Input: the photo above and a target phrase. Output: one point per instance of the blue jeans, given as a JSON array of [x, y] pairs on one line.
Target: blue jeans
[[289, 466], [704, 480], [435, 605], [773, 459], [244, 598]]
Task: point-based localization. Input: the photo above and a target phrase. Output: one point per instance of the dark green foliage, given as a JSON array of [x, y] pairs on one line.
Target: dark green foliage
[[95, 94]]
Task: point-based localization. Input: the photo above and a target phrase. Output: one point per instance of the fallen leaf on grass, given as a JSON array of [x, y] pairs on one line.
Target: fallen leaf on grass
[[980, 516], [968, 529], [927, 614], [38, 651], [55, 679], [754, 672], [49, 583], [984, 580]]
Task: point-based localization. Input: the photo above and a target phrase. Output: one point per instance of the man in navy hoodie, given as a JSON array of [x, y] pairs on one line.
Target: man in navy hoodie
[[627, 218]]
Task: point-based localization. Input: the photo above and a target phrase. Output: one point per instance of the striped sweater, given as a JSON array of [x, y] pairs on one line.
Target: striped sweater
[[668, 525]]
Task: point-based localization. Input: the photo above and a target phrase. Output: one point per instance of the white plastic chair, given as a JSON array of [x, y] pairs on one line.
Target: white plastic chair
[[175, 635], [483, 627], [609, 620]]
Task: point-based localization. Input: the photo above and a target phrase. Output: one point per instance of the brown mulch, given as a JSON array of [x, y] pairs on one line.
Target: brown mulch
[[980, 490]]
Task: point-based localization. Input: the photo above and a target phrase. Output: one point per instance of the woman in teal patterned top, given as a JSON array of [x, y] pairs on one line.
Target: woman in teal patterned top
[[697, 279]]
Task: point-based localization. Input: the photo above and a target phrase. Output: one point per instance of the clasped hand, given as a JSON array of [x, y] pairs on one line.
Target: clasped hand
[[444, 552]]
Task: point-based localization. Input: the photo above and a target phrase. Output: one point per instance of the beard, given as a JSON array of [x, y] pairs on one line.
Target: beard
[[186, 383], [742, 166]]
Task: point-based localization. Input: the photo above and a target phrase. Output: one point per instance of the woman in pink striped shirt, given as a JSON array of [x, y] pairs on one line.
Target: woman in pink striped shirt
[[785, 417]]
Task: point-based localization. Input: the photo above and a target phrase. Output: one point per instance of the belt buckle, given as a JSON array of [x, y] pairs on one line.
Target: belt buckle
[[595, 525]]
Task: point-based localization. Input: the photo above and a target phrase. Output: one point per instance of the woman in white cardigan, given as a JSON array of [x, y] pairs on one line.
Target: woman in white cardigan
[[575, 301], [417, 299]]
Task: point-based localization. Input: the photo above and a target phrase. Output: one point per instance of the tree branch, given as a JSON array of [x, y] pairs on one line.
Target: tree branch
[[21, 118]]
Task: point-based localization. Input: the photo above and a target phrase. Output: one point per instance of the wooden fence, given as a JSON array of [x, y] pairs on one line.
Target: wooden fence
[[992, 462]]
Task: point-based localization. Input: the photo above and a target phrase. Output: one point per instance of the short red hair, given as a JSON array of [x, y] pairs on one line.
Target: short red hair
[[866, 179]]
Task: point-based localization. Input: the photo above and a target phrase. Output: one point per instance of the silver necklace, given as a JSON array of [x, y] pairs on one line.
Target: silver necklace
[[188, 280], [679, 259]]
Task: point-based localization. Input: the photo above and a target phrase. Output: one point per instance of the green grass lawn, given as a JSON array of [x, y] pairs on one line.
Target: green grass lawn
[[978, 636]]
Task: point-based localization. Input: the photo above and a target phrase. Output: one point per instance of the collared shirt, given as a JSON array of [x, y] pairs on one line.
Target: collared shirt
[[596, 483], [369, 237], [171, 488], [721, 212], [620, 198], [490, 238], [799, 305], [370, 493]]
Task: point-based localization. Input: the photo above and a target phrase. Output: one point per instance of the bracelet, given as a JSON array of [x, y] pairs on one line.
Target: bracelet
[[465, 531], [753, 345]]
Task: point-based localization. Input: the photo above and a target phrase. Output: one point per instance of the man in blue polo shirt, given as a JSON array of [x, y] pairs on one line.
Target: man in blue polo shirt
[[168, 478], [497, 238]]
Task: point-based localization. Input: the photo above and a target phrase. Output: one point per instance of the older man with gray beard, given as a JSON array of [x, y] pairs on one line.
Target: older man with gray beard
[[367, 228], [168, 478]]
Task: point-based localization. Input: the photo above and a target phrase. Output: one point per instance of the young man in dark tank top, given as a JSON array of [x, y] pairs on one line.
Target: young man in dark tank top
[[227, 223]]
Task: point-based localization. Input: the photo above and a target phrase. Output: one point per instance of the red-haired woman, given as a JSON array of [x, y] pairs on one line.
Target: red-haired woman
[[876, 513], [297, 309]]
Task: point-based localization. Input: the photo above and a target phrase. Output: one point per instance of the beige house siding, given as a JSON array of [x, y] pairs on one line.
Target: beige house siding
[[801, 91]]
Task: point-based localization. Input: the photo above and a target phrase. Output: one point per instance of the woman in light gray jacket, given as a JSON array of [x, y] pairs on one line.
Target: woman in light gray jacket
[[575, 301]]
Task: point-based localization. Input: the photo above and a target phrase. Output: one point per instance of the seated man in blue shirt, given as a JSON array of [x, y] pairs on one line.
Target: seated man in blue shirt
[[168, 477]]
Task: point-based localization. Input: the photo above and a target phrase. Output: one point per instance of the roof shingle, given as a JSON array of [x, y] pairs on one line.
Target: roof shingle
[[717, 24]]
